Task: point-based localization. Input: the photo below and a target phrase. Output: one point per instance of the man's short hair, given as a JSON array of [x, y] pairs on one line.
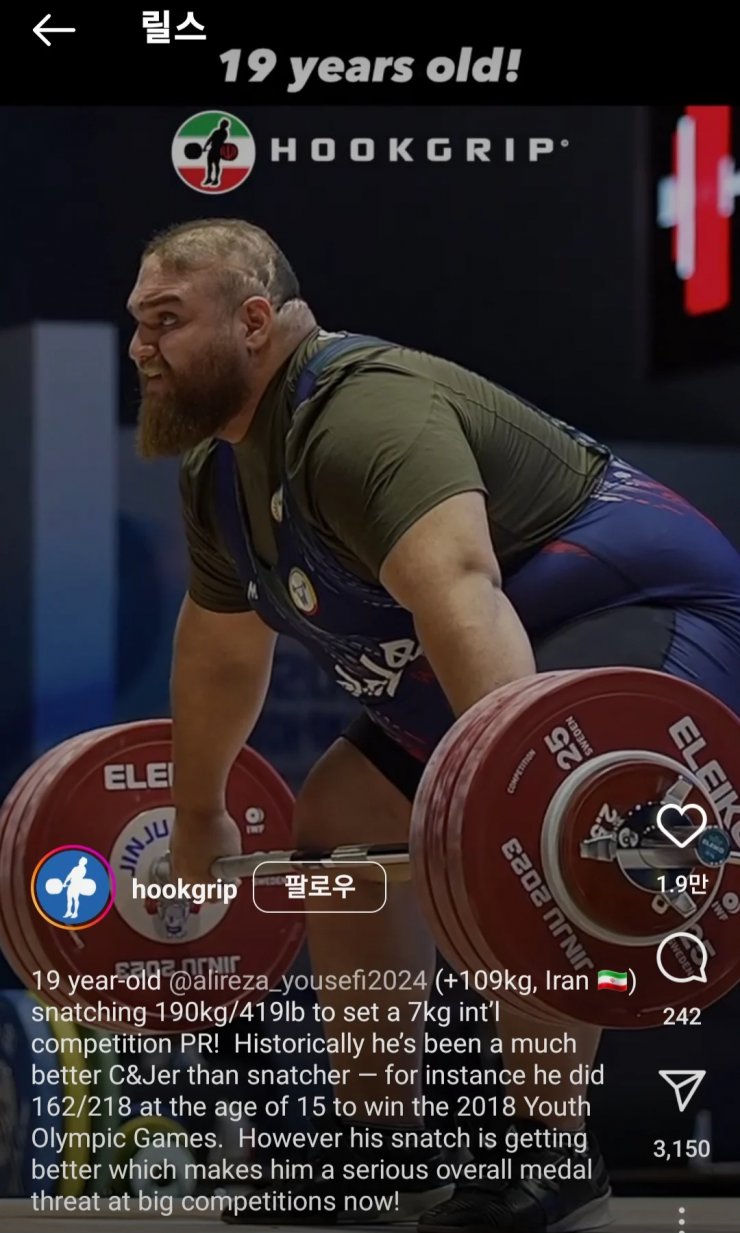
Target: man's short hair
[[244, 258]]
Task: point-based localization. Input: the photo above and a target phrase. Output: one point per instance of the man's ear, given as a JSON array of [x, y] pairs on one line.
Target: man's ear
[[256, 315]]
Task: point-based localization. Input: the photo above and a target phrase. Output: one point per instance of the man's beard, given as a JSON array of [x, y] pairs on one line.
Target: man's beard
[[185, 410]]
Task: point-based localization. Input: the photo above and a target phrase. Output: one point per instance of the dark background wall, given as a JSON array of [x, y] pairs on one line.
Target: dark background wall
[[540, 275]]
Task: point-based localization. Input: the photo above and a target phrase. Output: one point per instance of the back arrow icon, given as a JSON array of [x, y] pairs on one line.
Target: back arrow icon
[[39, 29]]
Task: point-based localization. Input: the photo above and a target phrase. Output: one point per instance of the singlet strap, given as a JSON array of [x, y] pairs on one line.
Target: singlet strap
[[313, 368]]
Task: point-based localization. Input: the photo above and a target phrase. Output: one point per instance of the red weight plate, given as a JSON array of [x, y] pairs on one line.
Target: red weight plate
[[432, 803], [427, 838], [114, 799], [450, 925], [101, 997], [479, 975], [596, 712], [427, 824], [13, 939], [503, 707], [229, 151], [514, 985], [108, 1002], [31, 924], [522, 953]]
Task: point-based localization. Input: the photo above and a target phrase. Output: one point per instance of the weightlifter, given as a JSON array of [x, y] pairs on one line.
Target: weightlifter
[[428, 536]]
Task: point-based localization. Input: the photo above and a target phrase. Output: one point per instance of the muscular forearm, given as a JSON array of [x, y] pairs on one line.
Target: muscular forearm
[[218, 688], [474, 641]]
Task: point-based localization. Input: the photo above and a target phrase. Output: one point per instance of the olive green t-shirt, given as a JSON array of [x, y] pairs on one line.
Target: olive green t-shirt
[[385, 437]]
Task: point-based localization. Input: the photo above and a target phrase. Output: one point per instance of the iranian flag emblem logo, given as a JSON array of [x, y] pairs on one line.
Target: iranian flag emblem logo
[[213, 152]]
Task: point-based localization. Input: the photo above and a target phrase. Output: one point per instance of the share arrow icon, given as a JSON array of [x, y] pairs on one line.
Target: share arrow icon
[[685, 1084]]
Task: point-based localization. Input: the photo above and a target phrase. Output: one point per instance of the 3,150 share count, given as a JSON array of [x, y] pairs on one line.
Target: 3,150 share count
[[682, 1149]]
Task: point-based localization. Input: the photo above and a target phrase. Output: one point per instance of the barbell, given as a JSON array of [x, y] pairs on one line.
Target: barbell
[[395, 859], [568, 824], [229, 150]]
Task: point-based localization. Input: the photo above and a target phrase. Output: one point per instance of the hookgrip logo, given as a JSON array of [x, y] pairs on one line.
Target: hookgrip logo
[[213, 152], [73, 887]]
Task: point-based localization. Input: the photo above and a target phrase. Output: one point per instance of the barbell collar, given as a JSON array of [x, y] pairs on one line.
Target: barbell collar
[[652, 856]]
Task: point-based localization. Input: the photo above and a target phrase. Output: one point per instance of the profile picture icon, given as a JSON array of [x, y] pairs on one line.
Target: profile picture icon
[[73, 887]]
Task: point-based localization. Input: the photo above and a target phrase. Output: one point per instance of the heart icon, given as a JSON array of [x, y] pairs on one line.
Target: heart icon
[[682, 843]]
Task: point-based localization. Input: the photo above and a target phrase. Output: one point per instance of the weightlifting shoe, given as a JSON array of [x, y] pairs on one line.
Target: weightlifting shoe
[[355, 1190], [538, 1189]]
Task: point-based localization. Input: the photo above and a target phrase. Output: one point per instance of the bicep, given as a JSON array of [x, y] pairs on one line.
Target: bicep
[[449, 543]]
